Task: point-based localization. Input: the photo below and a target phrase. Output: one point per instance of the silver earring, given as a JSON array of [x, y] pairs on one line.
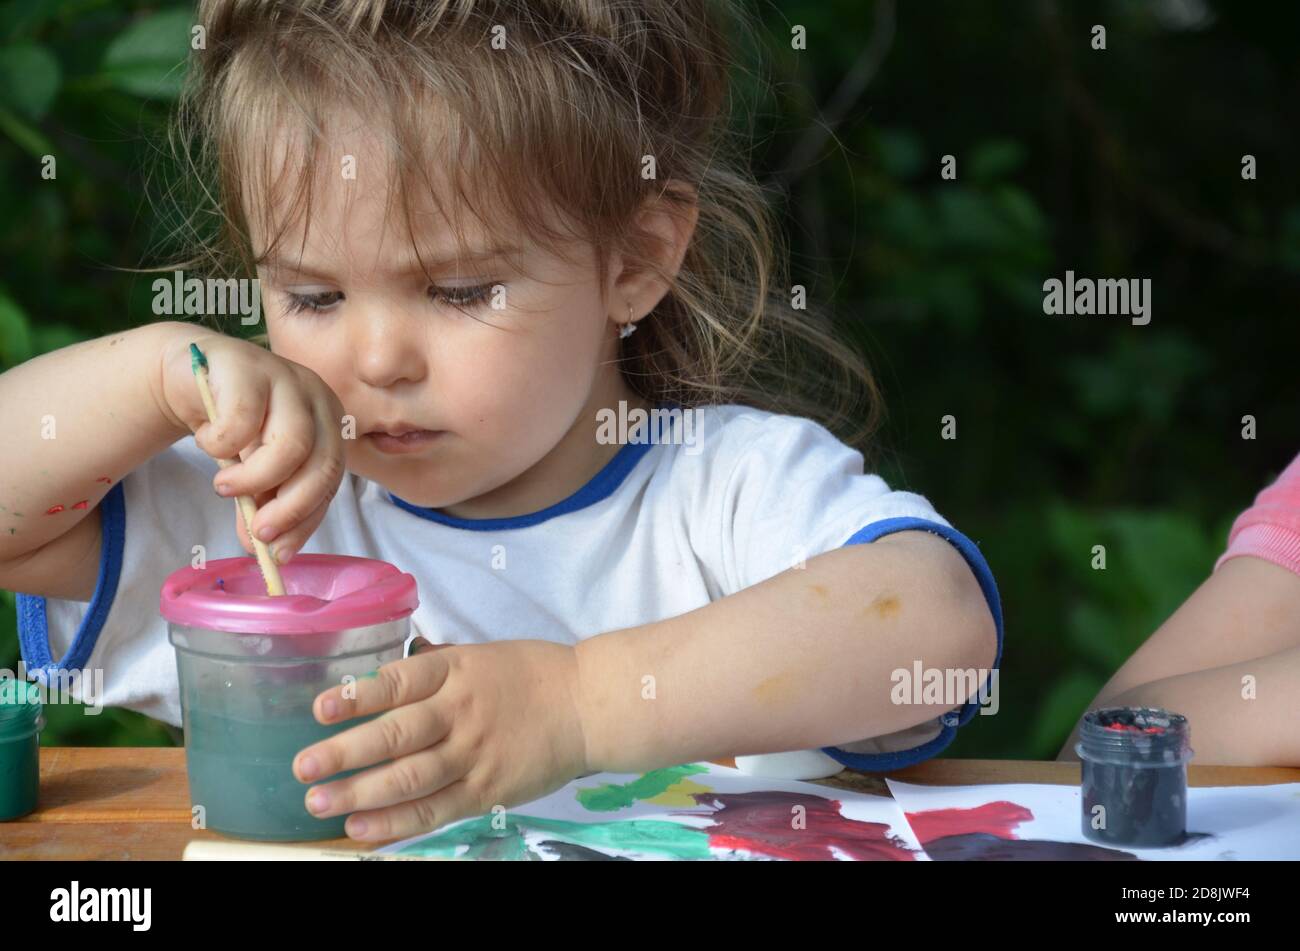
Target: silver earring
[[629, 328]]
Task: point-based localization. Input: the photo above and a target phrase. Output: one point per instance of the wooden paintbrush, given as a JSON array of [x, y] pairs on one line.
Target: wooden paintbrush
[[247, 508]]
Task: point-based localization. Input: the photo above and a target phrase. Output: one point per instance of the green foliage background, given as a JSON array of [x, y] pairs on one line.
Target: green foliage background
[[1072, 432]]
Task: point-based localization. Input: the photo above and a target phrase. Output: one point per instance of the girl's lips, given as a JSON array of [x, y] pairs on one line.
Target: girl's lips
[[409, 442]]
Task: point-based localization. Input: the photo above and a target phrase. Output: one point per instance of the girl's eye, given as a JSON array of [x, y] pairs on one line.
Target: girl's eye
[[460, 296], [297, 303]]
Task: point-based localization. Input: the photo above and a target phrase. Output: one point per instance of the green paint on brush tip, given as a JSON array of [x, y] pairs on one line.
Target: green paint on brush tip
[[197, 359], [611, 797]]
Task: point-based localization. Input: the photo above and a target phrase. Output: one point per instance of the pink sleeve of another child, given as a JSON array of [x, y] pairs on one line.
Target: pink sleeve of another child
[[1270, 529]]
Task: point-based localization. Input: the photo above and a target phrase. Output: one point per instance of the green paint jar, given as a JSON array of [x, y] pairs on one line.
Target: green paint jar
[[20, 747]]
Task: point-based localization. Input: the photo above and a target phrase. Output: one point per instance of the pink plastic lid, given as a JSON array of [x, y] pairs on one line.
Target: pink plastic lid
[[322, 593]]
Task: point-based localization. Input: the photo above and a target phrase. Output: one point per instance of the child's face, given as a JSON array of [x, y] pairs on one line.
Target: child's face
[[512, 393]]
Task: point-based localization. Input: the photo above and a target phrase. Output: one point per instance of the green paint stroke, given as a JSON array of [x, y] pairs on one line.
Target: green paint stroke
[[650, 837], [612, 797]]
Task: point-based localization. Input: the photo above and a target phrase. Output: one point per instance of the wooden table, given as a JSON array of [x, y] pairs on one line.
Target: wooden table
[[134, 803]]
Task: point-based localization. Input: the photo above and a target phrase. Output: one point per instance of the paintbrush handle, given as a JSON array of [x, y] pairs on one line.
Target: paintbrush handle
[[247, 507]]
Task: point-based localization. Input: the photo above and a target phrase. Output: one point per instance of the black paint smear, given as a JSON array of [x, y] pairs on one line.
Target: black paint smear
[[982, 847], [570, 852]]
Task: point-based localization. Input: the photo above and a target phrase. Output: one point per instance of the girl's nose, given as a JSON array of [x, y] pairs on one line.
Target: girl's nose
[[387, 347]]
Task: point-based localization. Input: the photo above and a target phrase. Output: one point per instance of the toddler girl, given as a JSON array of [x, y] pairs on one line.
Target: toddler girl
[[527, 338]]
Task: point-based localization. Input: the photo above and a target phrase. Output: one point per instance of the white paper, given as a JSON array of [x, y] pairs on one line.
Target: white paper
[[1238, 822]]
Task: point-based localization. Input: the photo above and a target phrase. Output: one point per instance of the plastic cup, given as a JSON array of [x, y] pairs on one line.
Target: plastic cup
[[250, 667]]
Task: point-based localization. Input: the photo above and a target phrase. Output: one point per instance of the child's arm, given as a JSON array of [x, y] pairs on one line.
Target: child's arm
[[1248, 608], [1241, 714], [72, 419], [802, 660]]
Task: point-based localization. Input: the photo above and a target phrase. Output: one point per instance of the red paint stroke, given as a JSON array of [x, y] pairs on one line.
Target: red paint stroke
[[1132, 728], [54, 510], [988, 833], [993, 818], [81, 504], [765, 823], [105, 479]]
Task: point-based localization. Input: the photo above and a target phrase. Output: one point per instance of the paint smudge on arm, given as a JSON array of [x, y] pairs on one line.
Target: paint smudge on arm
[[776, 691], [885, 606]]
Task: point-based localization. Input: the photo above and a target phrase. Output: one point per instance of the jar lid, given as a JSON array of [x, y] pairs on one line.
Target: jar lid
[[322, 593], [19, 698]]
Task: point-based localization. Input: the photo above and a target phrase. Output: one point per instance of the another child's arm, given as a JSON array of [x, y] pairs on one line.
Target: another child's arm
[[1241, 714], [1244, 618], [1246, 614]]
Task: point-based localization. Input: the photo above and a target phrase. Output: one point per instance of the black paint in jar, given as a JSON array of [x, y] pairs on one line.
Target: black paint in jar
[[1134, 776]]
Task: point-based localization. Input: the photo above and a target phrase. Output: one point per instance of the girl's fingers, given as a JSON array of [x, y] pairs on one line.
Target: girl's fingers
[[285, 441], [450, 803], [397, 733], [393, 685], [240, 400], [411, 777], [287, 544], [316, 480]]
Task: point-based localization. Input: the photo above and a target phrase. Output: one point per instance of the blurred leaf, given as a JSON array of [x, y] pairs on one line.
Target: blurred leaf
[[22, 133], [969, 220], [1290, 240], [70, 724], [994, 159], [29, 79], [9, 652], [15, 333], [149, 57], [1019, 209], [49, 337], [901, 153], [1105, 637], [1067, 700]]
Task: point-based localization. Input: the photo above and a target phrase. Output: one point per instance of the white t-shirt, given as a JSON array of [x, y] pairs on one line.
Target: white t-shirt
[[689, 515]]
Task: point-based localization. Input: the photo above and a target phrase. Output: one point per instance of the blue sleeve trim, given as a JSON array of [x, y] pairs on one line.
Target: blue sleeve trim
[[33, 626], [948, 728]]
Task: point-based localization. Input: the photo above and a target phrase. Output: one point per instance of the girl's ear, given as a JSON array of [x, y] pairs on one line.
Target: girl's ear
[[667, 224]]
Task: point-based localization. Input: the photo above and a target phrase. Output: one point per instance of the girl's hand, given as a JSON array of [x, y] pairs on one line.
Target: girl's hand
[[466, 727], [278, 417]]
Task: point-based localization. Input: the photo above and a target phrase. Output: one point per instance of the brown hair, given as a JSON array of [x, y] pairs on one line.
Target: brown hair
[[548, 104]]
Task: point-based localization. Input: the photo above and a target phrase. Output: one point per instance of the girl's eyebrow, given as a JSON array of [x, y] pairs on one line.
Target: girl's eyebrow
[[409, 265]]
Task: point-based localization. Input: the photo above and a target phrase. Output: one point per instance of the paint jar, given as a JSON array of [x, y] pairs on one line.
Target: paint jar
[[251, 665], [20, 747], [1134, 788]]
